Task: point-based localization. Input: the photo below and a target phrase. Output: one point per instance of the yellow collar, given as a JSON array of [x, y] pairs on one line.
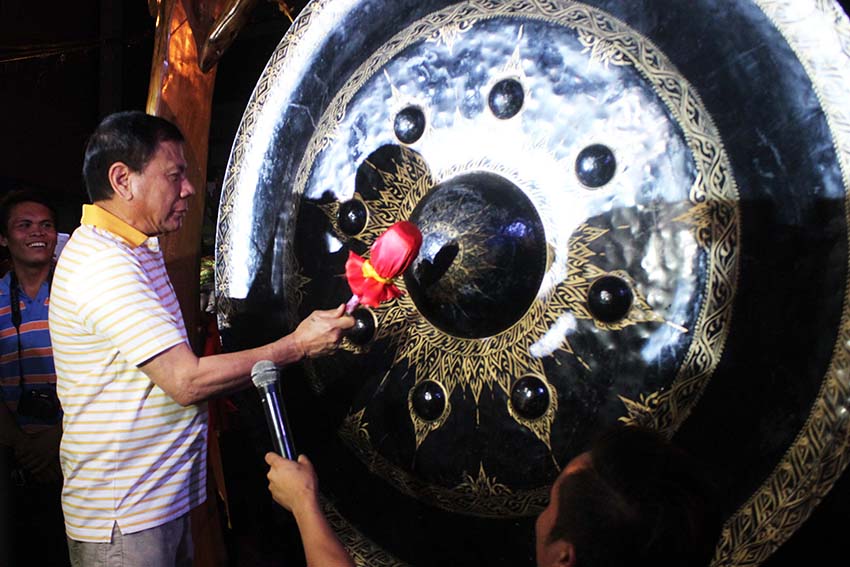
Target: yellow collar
[[101, 218]]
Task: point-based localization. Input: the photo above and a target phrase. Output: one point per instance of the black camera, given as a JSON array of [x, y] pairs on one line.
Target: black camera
[[40, 404]]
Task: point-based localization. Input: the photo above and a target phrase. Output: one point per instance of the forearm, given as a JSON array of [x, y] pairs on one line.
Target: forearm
[[189, 379], [221, 373], [321, 546]]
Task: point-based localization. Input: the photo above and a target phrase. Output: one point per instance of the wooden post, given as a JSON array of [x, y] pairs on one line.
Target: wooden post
[[182, 93]]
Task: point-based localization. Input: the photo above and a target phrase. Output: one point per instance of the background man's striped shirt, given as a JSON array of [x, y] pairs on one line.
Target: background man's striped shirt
[[130, 454], [36, 353]]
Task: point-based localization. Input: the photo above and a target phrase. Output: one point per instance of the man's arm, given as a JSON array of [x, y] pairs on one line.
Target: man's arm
[[294, 486], [189, 379]]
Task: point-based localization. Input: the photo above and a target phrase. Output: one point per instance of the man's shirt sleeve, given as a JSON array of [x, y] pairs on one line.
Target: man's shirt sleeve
[[131, 308]]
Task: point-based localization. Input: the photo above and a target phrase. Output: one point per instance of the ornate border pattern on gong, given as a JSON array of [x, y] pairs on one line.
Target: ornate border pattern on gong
[[283, 53], [821, 451], [479, 494], [362, 549], [715, 213]]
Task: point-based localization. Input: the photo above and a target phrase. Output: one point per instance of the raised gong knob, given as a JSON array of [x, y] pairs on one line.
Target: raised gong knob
[[482, 258]]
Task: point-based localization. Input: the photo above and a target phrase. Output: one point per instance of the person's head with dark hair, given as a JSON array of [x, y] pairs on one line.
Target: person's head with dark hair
[[131, 138], [28, 229], [18, 196], [632, 499], [134, 168]]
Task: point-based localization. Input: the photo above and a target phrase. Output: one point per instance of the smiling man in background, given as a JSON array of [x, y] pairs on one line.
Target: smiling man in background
[[29, 409], [134, 447]]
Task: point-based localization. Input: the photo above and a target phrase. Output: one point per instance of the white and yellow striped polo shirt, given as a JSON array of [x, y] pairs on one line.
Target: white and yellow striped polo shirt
[[130, 454]]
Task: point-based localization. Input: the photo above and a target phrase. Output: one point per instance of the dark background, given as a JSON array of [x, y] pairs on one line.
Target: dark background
[[65, 65]]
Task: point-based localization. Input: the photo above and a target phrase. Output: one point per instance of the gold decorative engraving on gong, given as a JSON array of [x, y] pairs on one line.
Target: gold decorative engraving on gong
[[710, 222], [571, 294], [470, 363], [700, 217], [640, 311], [470, 496], [604, 37], [513, 68], [288, 48], [448, 34], [820, 452], [398, 102], [403, 187], [331, 211], [640, 411], [786, 499], [541, 426], [356, 427], [482, 485], [422, 427], [474, 363], [496, 361], [600, 49], [362, 549], [295, 280]]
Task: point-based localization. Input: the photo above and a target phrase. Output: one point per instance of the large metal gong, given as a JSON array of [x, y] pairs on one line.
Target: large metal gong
[[632, 211]]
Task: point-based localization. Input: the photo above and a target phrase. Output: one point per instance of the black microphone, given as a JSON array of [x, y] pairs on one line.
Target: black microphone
[[264, 377]]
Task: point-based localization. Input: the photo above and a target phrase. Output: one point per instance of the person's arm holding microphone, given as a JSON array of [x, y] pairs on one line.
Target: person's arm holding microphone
[[294, 486]]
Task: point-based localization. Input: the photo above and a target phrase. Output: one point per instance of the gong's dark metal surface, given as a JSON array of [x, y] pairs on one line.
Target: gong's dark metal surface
[[624, 206], [483, 255]]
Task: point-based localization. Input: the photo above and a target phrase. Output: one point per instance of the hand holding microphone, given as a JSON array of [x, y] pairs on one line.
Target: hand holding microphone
[[264, 375], [318, 334], [292, 483]]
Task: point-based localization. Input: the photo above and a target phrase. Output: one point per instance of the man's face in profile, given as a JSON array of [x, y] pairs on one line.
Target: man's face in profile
[[559, 552], [162, 190]]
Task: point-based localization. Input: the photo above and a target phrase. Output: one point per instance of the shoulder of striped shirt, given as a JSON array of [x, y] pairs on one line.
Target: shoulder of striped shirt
[[88, 259]]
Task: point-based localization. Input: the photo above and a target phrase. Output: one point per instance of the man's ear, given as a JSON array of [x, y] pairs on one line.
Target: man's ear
[[4, 242], [565, 553], [119, 179]]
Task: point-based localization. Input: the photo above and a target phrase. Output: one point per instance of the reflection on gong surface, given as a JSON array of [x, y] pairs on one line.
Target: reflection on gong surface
[[581, 256], [523, 270], [482, 258]]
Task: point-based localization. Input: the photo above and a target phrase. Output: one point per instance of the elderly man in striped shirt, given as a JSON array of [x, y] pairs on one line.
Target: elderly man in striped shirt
[[134, 445]]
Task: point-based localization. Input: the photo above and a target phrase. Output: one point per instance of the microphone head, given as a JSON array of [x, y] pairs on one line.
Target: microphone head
[[264, 373]]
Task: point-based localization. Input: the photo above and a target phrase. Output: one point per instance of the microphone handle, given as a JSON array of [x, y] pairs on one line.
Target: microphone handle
[[278, 425]]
